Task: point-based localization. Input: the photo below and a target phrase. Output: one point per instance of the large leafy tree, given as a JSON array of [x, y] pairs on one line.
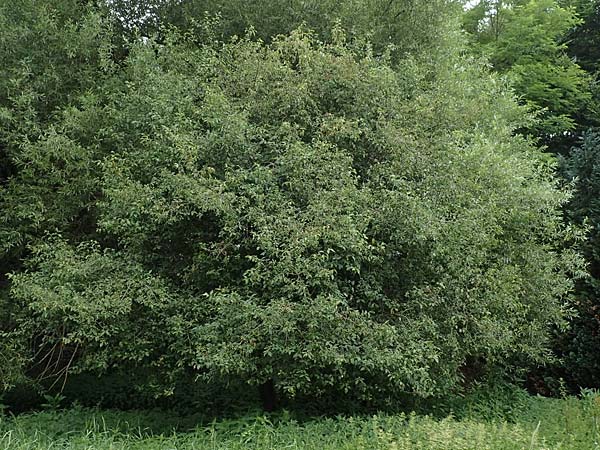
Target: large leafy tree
[[525, 40], [321, 216]]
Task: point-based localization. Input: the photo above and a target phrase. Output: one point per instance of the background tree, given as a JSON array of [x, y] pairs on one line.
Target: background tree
[[551, 57], [580, 346], [526, 40], [408, 25]]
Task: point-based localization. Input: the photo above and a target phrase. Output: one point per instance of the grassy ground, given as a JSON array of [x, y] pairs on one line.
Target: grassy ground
[[536, 423]]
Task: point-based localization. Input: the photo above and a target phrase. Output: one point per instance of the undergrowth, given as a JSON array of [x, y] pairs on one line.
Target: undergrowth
[[497, 420]]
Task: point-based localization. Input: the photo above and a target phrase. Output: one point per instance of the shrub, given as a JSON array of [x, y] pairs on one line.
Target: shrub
[[303, 212]]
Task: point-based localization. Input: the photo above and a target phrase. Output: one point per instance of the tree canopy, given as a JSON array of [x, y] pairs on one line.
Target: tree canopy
[[526, 40], [311, 208]]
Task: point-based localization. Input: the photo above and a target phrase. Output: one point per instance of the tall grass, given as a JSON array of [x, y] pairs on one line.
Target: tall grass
[[540, 423]]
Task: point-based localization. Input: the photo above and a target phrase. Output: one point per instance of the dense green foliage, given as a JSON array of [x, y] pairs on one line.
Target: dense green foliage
[[410, 26], [49, 56], [580, 348], [309, 208], [538, 424], [525, 39], [584, 40], [549, 51]]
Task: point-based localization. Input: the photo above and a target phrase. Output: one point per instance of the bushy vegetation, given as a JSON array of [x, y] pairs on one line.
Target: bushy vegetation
[[355, 206], [311, 216], [549, 50], [526, 40], [580, 346], [537, 424]]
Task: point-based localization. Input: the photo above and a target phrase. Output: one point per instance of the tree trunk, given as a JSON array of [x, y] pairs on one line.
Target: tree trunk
[[268, 395]]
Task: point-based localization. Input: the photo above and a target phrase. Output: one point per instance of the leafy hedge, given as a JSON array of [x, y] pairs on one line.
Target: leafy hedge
[[319, 214]]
